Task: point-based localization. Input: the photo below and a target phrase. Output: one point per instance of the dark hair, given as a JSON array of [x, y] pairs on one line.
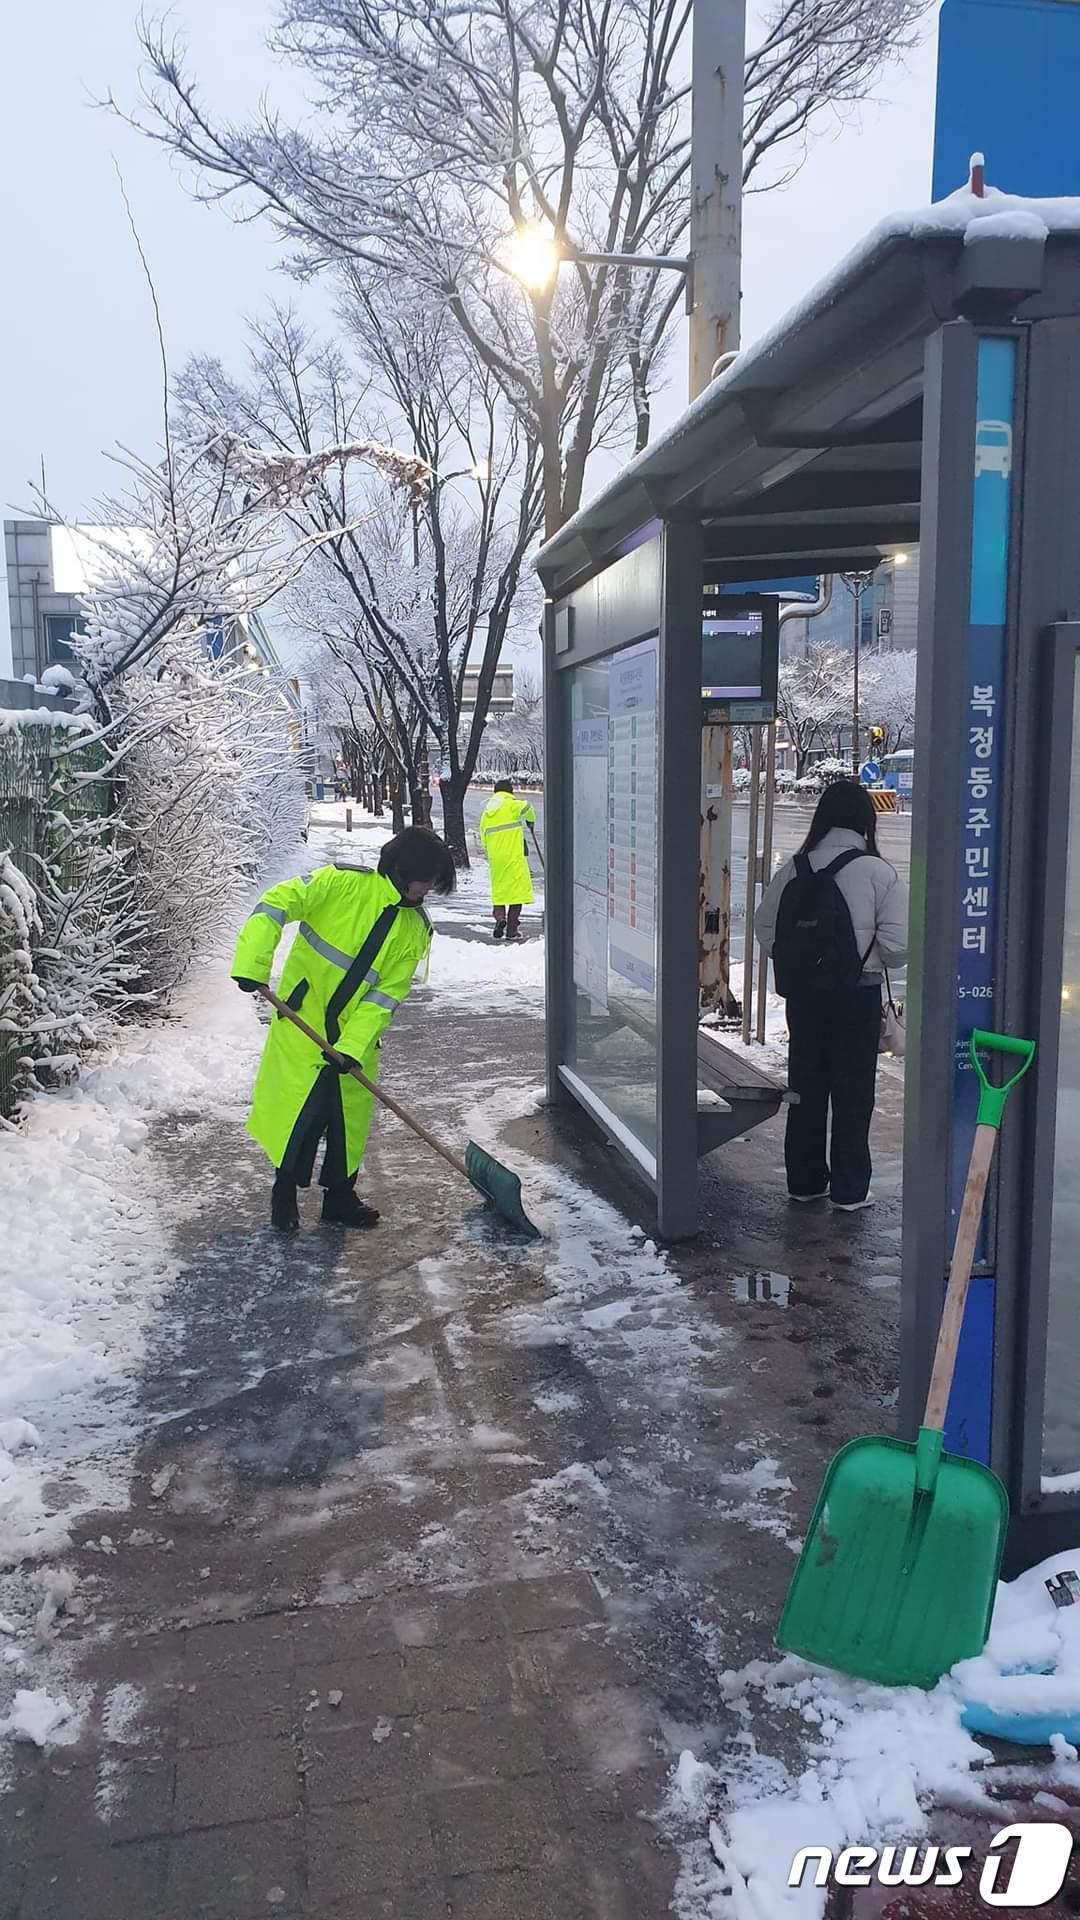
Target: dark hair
[[503, 786], [845, 803], [417, 854]]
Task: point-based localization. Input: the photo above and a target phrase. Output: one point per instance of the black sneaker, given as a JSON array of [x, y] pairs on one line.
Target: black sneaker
[[513, 934], [284, 1212], [341, 1208], [500, 930]]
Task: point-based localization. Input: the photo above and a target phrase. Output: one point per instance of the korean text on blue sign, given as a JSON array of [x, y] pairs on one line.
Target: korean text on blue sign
[[968, 1425]]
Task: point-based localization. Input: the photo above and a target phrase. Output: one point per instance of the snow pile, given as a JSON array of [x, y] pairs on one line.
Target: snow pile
[[879, 1758], [40, 1720], [84, 1240], [13, 718], [477, 976], [1030, 1666]]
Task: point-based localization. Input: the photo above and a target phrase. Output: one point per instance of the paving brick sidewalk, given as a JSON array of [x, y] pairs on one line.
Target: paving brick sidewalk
[[429, 1756], [434, 1546]]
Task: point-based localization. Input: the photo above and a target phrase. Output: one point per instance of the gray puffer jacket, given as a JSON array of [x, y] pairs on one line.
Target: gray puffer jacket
[[876, 899]]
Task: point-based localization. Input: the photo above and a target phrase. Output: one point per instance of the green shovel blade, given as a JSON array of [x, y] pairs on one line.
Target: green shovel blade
[[895, 1584], [501, 1187]]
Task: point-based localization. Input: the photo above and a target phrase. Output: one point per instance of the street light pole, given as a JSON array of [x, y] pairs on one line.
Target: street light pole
[[716, 169], [856, 581]]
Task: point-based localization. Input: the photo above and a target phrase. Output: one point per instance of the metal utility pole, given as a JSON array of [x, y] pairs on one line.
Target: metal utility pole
[[857, 582], [716, 163]]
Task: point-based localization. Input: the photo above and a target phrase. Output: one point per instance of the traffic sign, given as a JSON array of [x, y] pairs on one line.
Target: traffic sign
[[870, 772]]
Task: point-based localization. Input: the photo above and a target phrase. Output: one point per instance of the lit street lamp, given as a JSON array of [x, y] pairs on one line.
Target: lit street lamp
[[534, 256]]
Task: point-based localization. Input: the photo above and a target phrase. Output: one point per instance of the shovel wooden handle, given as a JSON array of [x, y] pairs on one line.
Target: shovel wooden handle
[[536, 844], [414, 1126], [952, 1319]]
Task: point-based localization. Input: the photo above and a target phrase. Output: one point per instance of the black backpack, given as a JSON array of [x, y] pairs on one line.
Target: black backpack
[[815, 950]]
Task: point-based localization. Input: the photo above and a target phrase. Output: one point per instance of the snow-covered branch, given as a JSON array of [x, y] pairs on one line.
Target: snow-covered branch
[[440, 129]]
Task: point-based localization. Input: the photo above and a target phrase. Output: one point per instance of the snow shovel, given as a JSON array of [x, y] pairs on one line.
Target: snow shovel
[[897, 1576], [543, 869], [479, 1168]]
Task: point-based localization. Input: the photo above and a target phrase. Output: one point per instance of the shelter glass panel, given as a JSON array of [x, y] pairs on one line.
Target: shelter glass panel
[[1061, 1422], [614, 749]]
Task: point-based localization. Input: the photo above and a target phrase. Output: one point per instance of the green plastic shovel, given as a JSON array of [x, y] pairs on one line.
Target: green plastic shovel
[[896, 1579]]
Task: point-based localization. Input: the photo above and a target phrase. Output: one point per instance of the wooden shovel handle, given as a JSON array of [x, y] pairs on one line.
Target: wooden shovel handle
[[536, 844], [952, 1319], [407, 1120]]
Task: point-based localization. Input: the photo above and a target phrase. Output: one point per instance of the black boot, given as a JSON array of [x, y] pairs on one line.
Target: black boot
[[500, 930], [284, 1212], [341, 1208]]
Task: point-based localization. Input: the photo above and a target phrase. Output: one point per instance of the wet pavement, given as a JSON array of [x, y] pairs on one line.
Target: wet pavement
[[437, 1543]]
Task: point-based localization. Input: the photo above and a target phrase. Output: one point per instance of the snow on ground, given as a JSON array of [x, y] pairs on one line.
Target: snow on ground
[[880, 1757], [474, 973], [85, 1243], [86, 1266], [84, 1226], [86, 1232]]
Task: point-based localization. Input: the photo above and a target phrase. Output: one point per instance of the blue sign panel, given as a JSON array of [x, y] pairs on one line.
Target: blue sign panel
[[1003, 89], [967, 1429], [803, 586], [870, 772]]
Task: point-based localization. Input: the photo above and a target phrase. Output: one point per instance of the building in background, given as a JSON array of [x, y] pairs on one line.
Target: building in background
[[890, 613], [44, 578], [49, 570], [502, 691]]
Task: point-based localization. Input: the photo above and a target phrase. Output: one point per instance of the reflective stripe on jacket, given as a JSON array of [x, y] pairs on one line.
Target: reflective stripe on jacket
[[296, 1097], [502, 835]]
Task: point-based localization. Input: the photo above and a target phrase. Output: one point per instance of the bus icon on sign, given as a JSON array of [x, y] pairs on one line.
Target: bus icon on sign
[[993, 448]]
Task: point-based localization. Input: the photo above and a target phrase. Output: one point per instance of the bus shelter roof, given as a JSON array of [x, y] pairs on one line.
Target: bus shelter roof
[[806, 454]]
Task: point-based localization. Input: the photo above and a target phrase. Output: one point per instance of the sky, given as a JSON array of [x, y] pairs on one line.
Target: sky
[[81, 370]]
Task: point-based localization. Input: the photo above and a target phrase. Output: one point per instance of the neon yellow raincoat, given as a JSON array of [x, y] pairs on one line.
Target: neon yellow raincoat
[[502, 834], [352, 963]]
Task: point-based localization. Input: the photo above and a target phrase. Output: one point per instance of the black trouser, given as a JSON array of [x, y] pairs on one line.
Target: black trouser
[[320, 1116], [508, 916], [832, 1057]]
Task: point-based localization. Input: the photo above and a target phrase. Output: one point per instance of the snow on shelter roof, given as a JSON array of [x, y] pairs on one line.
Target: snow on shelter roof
[[885, 285]]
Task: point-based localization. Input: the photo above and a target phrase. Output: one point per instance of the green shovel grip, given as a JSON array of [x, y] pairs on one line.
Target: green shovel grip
[[992, 1099]]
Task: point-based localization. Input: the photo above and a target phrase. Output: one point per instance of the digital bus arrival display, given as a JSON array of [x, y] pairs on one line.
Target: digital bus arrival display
[[732, 650]]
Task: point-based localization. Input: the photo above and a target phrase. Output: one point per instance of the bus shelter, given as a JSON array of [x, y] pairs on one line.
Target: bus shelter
[[928, 391]]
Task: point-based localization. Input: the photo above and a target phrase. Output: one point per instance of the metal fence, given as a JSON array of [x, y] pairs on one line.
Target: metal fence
[[40, 790]]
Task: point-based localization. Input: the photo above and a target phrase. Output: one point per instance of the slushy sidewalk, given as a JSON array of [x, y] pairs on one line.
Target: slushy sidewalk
[[441, 1550]]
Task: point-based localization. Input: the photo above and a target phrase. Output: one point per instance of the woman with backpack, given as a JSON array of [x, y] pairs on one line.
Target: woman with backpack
[[832, 920]]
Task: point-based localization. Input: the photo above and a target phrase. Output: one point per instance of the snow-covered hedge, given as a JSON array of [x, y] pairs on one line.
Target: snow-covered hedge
[[123, 844], [64, 891]]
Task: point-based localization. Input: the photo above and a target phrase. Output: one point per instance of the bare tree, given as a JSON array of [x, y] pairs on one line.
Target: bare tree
[[424, 587], [440, 129], [814, 697], [198, 538], [888, 683]]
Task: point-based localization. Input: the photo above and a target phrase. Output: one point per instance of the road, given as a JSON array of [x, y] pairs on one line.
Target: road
[[792, 824]]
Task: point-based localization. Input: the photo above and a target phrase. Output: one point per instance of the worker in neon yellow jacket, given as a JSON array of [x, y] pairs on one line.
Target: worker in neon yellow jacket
[[502, 835], [360, 939]]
